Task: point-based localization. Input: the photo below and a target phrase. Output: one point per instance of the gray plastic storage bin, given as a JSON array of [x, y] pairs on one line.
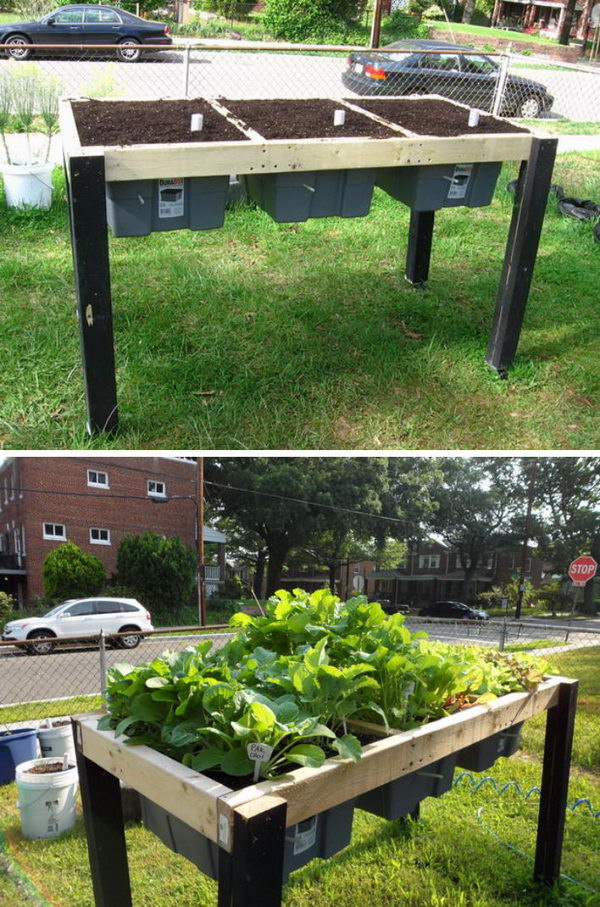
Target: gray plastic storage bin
[[293, 197], [321, 836], [427, 188], [400, 797], [140, 207], [481, 755]]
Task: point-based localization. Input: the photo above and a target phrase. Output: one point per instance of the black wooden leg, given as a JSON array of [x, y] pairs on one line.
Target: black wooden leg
[[89, 239], [560, 722], [418, 254], [103, 815], [252, 875], [521, 250]]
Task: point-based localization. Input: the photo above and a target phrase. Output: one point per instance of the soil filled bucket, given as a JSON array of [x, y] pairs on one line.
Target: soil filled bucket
[[46, 797], [28, 185], [57, 741], [15, 747]]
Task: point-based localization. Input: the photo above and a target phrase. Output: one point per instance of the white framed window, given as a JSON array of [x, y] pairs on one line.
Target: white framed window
[[429, 561], [156, 489], [54, 531], [100, 536], [96, 479]]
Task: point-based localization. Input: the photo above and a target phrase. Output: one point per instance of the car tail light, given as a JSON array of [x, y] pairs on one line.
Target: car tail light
[[375, 72], [348, 61], [148, 615], [166, 29]]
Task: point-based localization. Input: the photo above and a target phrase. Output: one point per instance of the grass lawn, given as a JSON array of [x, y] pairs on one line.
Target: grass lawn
[[494, 34], [264, 335]]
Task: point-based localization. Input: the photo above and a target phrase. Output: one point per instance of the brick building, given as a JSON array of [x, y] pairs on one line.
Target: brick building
[[431, 572], [94, 501]]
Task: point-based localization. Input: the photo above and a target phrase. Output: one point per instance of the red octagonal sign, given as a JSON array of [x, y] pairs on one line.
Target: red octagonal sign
[[582, 569]]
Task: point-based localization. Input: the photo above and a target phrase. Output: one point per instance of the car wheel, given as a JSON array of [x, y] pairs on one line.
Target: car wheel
[[132, 639], [18, 47], [39, 648], [129, 50], [530, 109]]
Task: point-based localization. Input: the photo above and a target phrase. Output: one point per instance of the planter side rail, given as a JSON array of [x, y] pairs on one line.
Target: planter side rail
[[209, 807]]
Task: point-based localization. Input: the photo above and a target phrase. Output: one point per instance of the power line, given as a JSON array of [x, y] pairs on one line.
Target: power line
[[282, 497]]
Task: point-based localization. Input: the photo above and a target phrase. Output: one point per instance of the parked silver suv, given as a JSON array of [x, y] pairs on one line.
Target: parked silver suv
[[81, 617]]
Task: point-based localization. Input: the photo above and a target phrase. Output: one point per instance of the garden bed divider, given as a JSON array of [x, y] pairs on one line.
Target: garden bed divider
[[249, 824]]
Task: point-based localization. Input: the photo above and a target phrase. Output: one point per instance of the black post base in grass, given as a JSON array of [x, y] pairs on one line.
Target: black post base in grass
[[89, 239], [529, 208], [418, 255], [560, 723]]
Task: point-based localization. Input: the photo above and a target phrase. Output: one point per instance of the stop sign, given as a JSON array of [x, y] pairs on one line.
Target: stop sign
[[582, 569]]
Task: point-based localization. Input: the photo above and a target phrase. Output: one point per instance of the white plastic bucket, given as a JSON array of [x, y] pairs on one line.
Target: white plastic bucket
[[46, 801], [28, 185], [57, 742]]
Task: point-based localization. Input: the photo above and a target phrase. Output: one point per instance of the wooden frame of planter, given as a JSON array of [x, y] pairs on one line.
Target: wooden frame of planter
[[249, 825], [89, 168]]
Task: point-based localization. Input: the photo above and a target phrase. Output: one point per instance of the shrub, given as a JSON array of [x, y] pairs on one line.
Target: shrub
[[303, 20], [162, 572], [68, 572], [400, 25], [7, 605], [229, 9]]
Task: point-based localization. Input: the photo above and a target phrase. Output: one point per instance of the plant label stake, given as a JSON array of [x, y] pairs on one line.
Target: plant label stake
[[473, 118], [339, 117], [197, 122], [258, 752], [65, 764]]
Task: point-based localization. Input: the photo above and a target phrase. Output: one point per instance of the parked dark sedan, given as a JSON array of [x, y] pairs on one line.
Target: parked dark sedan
[[85, 24], [456, 610], [458, 73]]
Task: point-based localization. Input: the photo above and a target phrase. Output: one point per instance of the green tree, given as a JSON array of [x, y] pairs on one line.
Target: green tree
[[569, 513], [162, 572], [68, 572], [338, 509], [477, 502]]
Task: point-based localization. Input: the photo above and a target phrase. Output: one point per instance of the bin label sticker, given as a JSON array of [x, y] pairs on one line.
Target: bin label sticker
[[460, 180], [305, 835], [171, 198]]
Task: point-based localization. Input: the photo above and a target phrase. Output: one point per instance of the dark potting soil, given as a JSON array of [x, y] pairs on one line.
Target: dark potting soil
[[47, 768], [150, 122], [305, 119], [433, 117]]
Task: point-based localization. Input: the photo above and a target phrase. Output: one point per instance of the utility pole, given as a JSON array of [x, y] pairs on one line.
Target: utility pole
[[376, 24], [532, 474], [200, 540]]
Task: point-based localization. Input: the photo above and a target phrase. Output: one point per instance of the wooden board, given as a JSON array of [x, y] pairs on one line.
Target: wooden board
[[209, 806], [284, 155], [190, 795]]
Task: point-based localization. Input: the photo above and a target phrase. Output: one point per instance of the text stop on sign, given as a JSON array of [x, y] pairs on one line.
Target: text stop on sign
[[582, 569]]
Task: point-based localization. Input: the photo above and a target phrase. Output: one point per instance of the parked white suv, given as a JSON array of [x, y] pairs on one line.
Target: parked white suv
[[81, 617]]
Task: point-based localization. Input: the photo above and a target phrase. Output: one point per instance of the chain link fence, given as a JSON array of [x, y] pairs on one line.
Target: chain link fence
[[534, 88], [71, 678]]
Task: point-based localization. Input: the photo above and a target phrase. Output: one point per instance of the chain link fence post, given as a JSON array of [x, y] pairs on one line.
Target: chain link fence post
[[501, 82], [102, 654], [502, 638], [186, 70]]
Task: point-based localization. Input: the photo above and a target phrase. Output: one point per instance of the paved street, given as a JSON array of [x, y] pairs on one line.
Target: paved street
[[76, 672], [245, 74]]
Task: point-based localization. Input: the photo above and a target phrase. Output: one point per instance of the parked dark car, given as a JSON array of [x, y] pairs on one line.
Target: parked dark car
[[392, 607], [459, 74], [84, 24], [455, 610]]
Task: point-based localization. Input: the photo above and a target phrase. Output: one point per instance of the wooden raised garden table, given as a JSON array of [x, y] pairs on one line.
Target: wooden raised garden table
[[180, 180], [246, 828]]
